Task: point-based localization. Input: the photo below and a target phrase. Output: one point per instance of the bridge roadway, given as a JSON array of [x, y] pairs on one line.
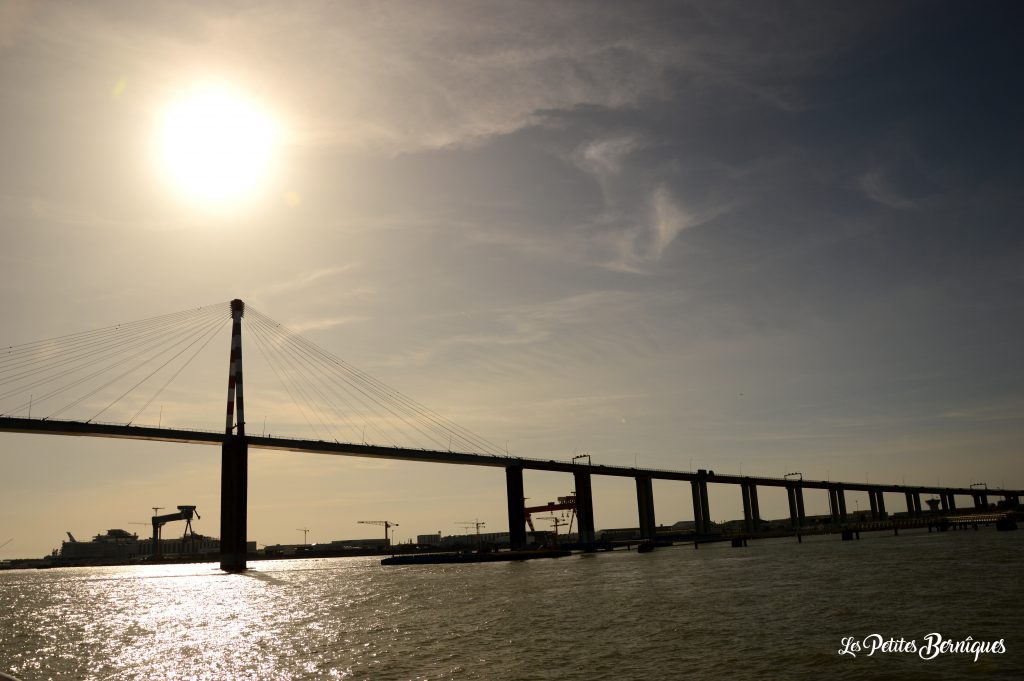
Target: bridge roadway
[[514, 467]]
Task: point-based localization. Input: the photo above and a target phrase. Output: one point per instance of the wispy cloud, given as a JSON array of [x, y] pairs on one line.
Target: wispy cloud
[[427, 76], [603, 157], [1007, 411], [877, 188], [637, 248], [528, 329], [305, 279], [322, 323], [668, 219]]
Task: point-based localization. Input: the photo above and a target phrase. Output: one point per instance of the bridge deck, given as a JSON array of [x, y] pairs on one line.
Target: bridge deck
[[90, 429]]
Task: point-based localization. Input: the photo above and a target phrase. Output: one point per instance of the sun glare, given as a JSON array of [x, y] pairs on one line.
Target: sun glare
[[216, 146]]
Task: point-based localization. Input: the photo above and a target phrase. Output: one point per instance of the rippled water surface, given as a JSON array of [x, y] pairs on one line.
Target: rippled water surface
[[773, 610]]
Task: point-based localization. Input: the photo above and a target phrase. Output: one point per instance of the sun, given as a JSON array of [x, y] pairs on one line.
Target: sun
[[216, 146]]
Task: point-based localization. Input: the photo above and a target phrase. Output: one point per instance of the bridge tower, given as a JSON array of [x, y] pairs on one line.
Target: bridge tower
[[234, 462]]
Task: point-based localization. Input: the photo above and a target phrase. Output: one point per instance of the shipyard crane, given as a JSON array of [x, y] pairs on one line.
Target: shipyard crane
[[184, 513], [386, 524], [567, 503], [475, 524], [558, 522], [6, 542]]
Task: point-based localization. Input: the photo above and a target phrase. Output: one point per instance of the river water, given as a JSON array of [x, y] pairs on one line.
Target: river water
[[773, 610]]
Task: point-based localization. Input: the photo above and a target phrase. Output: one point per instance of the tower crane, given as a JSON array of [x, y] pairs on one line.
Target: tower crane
[[184, 513], [386, 524], [477, 524]]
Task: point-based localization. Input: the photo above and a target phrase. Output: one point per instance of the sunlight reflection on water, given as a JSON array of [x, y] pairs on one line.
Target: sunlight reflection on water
[[676, 613]]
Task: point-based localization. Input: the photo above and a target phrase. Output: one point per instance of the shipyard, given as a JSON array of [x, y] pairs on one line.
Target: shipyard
[[120, 547]]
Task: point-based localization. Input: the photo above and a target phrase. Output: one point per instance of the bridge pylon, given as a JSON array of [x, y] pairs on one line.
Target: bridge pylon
[[234, 466]]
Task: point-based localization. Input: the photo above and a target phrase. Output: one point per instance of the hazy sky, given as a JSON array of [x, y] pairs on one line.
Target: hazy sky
[[753, 236]]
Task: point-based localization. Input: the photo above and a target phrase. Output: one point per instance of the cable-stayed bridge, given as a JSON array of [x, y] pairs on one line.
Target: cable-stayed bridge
[[140, 380], [163, 372]]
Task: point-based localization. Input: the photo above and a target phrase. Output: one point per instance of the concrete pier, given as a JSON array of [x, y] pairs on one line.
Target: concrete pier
[[913, 504], [880, 504], [794, 520], [584, 508], [698, 508], [645, 506], [755, 510], [705, 510], [797, 517], [751, 512], [516, 514], [701, 510], [234, 484]]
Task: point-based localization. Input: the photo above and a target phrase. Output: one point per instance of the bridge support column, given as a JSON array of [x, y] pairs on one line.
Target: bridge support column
[[516, 514], [880, 495], [755, 510], [841, 498], [873, 500], [917, 503], [698, 508], [910, 504], [794, 519], [944, 501], [748, 515], [584, 508], [234, 481], [705, 511], [645, 506], [833, 505], [952, 501], [800, 505]]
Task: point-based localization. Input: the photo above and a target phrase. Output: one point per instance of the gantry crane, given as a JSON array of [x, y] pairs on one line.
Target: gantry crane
[[563, 504], [387, 524], [184, 513]]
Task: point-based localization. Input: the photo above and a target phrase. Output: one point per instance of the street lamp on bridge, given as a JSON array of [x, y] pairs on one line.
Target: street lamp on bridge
[[583, 456]]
